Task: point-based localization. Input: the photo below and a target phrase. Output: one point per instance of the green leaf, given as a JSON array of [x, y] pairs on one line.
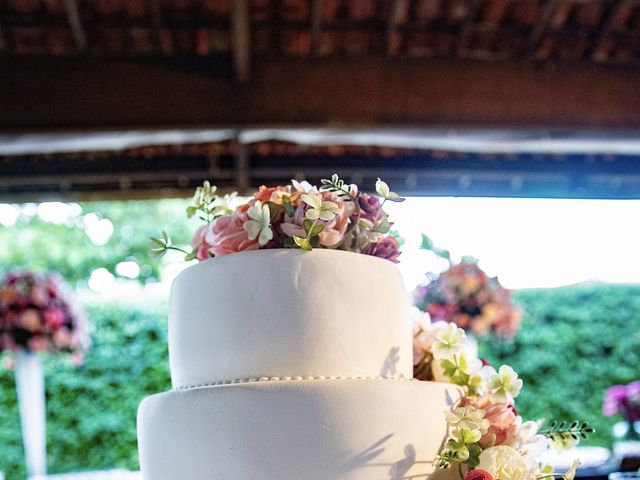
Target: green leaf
[[316, 230], [191, 211], [308, 225], [474, 455], [190, 256], [303, 243], [427, 244], [289, 209]]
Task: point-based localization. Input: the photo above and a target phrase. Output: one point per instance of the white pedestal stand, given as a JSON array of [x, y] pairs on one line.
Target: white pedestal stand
[[31, 402]]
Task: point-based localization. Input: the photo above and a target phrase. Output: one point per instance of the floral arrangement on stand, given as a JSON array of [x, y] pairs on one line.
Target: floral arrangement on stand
[[38, 315], [488, 439], [466, 296], [336, 216], [624, 400]]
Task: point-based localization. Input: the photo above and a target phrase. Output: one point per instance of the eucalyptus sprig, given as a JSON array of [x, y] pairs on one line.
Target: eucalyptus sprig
[[161, 245], [564, 432], [336, 185]]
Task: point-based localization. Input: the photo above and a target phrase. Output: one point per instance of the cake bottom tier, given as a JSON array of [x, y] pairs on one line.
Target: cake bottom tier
[[350, 429]]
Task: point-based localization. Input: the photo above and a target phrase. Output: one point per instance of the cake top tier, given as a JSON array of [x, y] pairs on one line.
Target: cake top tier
[[285, 312]]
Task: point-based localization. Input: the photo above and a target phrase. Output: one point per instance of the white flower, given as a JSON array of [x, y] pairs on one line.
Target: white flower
[[383, 190], [571, 473], [258, 227], [450, 341], [467, 417], [224, 205], [504, 385], [504, 462], [320, 209], [528, 441], [303, 186]]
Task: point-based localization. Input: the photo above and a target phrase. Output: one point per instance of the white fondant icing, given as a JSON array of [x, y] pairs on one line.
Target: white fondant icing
[[289, 313], [293, 430]]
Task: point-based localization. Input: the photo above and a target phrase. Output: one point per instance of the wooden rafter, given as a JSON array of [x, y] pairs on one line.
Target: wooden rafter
[[156, 18], [75, 23], [3, 43], [611, 10], [396, 11], [240, 27], [540, 27], [467, 27], [317, 11]]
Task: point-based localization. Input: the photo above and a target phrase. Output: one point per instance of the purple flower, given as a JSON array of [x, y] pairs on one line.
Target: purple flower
[[386, 248], [369, 207]]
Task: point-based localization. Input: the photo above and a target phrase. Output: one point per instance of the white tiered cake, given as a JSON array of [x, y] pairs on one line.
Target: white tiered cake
[[289, 365]]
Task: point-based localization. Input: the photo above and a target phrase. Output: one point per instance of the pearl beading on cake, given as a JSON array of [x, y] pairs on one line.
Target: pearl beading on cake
[[236, 381]]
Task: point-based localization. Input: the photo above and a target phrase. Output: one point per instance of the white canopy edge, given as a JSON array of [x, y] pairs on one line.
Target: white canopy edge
[[455, 140]]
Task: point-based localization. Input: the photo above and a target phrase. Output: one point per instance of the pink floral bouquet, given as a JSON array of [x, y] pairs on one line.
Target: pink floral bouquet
[[37, 315], [488, 439], [623, 400], [336, 215], [468, 297]]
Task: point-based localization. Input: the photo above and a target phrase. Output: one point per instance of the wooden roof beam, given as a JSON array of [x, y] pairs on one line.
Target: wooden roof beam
[[467, 27], [540, 27], [317, 12], [397, 10], [71, 92], [612, 7], [241, 35], [156, 18], [75, 23]]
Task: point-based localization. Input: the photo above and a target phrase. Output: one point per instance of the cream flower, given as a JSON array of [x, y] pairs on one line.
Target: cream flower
[[466, 435], [571, 473], [467, 417], [225, 205], [383, 190], [449, 342], [258, 225], [504, 385], [504, 462], [320, 209]]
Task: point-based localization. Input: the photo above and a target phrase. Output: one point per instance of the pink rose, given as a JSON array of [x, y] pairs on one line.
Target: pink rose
[[63, 339], [199, 244], [386, 248], [502, 424], [227, 234], [334, 229]]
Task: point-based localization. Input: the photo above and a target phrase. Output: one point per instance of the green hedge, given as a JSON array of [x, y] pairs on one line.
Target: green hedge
[[91, 409], [574, 343]]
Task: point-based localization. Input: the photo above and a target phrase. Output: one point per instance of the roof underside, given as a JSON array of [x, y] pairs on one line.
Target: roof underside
[[542, 30]]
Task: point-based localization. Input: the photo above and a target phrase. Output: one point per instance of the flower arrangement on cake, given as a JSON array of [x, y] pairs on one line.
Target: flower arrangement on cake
[[38, 315], [336, 215], [466, 296], [488, 439]]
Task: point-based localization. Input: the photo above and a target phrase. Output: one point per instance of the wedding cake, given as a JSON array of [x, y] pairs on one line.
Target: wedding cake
[[292, 365]]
